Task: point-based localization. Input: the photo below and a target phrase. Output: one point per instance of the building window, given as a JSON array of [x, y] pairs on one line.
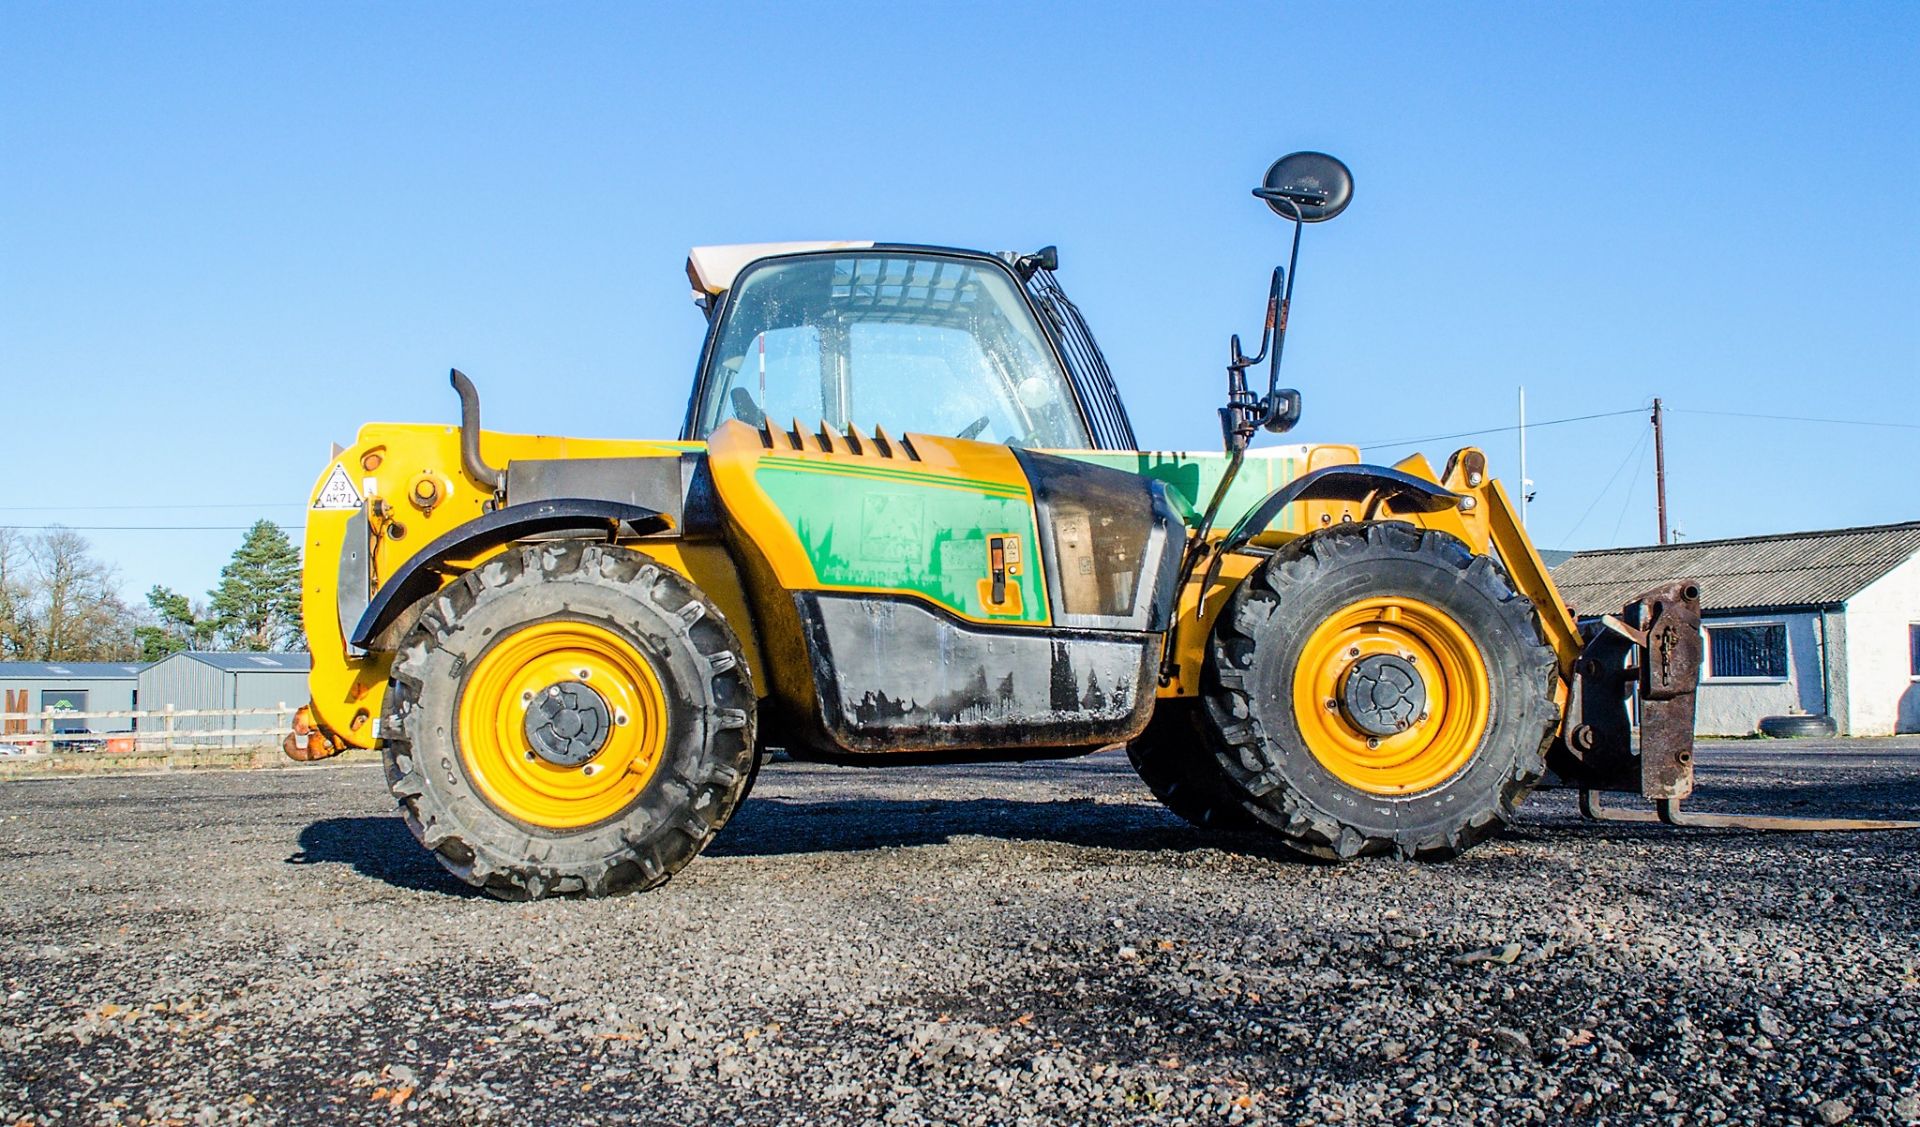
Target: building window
[[1913, 649], [1750, 651]]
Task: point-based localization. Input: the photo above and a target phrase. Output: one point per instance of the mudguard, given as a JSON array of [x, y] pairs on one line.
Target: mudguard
[[422, 573], [1332, 483]]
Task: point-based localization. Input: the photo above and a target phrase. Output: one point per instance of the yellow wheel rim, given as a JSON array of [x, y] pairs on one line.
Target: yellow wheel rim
[[1439, 734], [504, 762]]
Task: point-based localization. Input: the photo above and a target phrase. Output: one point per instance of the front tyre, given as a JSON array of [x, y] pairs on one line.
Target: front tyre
[[1379, 690], [568, 718]]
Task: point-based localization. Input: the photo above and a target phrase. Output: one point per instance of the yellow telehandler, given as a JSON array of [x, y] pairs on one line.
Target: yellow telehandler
[[572, 652]]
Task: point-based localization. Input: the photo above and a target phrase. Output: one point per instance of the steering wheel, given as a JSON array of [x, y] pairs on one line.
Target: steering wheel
[[745, 409], [975, 427]]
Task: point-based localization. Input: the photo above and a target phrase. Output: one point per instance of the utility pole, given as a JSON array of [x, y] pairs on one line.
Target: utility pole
[[1660, 466], [1524, 483]]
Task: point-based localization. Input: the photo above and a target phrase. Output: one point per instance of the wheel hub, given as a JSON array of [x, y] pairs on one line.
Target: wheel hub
[[567, 723], [1384, 694]]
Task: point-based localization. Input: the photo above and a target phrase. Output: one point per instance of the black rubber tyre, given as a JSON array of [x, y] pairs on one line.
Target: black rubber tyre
[[703, 770], [1177, 757], [1259, 748], [1798, 727]]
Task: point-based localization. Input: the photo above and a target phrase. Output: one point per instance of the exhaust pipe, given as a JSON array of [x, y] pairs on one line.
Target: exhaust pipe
[[470, 459]]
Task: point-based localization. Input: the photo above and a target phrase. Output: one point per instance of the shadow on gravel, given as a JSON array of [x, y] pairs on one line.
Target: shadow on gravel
[[380, 848], [772, 826]]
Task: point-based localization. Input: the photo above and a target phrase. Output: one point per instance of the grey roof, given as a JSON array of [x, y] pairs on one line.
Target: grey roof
[[1554, 557], [1788, 570], [251, 662], [78, 670]]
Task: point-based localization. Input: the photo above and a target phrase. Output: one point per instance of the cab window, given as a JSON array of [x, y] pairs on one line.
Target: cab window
[[909, 342]]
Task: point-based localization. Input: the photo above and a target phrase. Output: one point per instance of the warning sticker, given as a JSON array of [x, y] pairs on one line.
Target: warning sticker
[[338, 492]]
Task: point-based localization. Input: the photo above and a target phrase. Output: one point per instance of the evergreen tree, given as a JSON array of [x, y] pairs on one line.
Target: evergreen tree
[[257, 604], [178, 625]]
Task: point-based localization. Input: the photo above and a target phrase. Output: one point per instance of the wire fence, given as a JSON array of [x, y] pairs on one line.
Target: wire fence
[[144, 731]]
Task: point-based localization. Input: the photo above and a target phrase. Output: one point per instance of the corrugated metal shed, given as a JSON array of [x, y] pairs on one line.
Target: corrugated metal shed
[[83, 686], [1795, 569], [224, 680]]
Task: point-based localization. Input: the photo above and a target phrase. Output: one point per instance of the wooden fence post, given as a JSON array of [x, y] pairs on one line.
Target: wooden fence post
[[169, 730]]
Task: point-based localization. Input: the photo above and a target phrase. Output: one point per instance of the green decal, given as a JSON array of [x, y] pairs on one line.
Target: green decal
[[907, 531], [1191, 479]]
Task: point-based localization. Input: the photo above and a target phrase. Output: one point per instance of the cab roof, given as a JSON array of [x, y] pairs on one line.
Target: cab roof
[[713, 269]]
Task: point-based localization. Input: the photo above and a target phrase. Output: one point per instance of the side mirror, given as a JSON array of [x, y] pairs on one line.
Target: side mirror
[[1046, 258], [1284, 411], [1308, 187]]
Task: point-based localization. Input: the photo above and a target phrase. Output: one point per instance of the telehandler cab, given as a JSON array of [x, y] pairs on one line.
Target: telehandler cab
[[572, 651]]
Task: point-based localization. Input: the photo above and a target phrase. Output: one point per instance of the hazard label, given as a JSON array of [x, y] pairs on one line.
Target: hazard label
[[338, 492]]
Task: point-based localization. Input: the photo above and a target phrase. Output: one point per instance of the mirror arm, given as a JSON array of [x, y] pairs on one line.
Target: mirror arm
[[1279, 409], [1280, 329], [1295, 185], [1240, 361]]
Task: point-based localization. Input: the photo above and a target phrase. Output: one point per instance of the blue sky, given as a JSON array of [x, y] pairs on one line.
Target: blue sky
[[231, 234]]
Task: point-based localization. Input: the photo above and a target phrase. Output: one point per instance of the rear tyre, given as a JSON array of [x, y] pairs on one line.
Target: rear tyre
[[1178, 758], [1379, 690], [568, 718]]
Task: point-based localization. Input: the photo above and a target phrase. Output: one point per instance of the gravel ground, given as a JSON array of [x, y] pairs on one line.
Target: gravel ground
[[996, 944]]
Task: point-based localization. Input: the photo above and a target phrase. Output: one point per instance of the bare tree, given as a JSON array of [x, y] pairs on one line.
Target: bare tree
[[59, 603], [17, 635]]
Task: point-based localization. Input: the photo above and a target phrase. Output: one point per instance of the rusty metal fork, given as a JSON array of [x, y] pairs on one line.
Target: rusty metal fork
[[1667, 811]]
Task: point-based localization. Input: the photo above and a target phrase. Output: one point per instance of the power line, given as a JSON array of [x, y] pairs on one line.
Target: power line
[[1500, 430], [144, 507], [1626, 496], [1607, 488], [1796, 418], [125, 527], [1508, 429]]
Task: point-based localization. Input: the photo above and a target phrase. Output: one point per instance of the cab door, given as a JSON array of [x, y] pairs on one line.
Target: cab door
[[910, 575]]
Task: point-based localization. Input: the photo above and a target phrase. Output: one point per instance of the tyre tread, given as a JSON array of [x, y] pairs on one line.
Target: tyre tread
[[467, 837]]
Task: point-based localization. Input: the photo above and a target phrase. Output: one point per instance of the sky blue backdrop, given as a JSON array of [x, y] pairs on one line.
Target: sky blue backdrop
[[232, 234]]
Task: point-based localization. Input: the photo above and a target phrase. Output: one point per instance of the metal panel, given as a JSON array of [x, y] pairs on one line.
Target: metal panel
[[653, 483], [185, 682], [266, 688], [893, 676]]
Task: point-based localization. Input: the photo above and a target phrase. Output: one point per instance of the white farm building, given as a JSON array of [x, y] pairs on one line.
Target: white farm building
[[1803, 622]]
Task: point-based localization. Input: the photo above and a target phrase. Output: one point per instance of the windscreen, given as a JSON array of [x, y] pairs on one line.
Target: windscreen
[[909, 342]]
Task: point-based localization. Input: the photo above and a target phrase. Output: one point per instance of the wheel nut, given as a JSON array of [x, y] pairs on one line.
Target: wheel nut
[[1353, 651], [1400, 724], [526, 697], [620, 718], [589, 769], [1372, 743], [531, 757], [1333, 705]]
